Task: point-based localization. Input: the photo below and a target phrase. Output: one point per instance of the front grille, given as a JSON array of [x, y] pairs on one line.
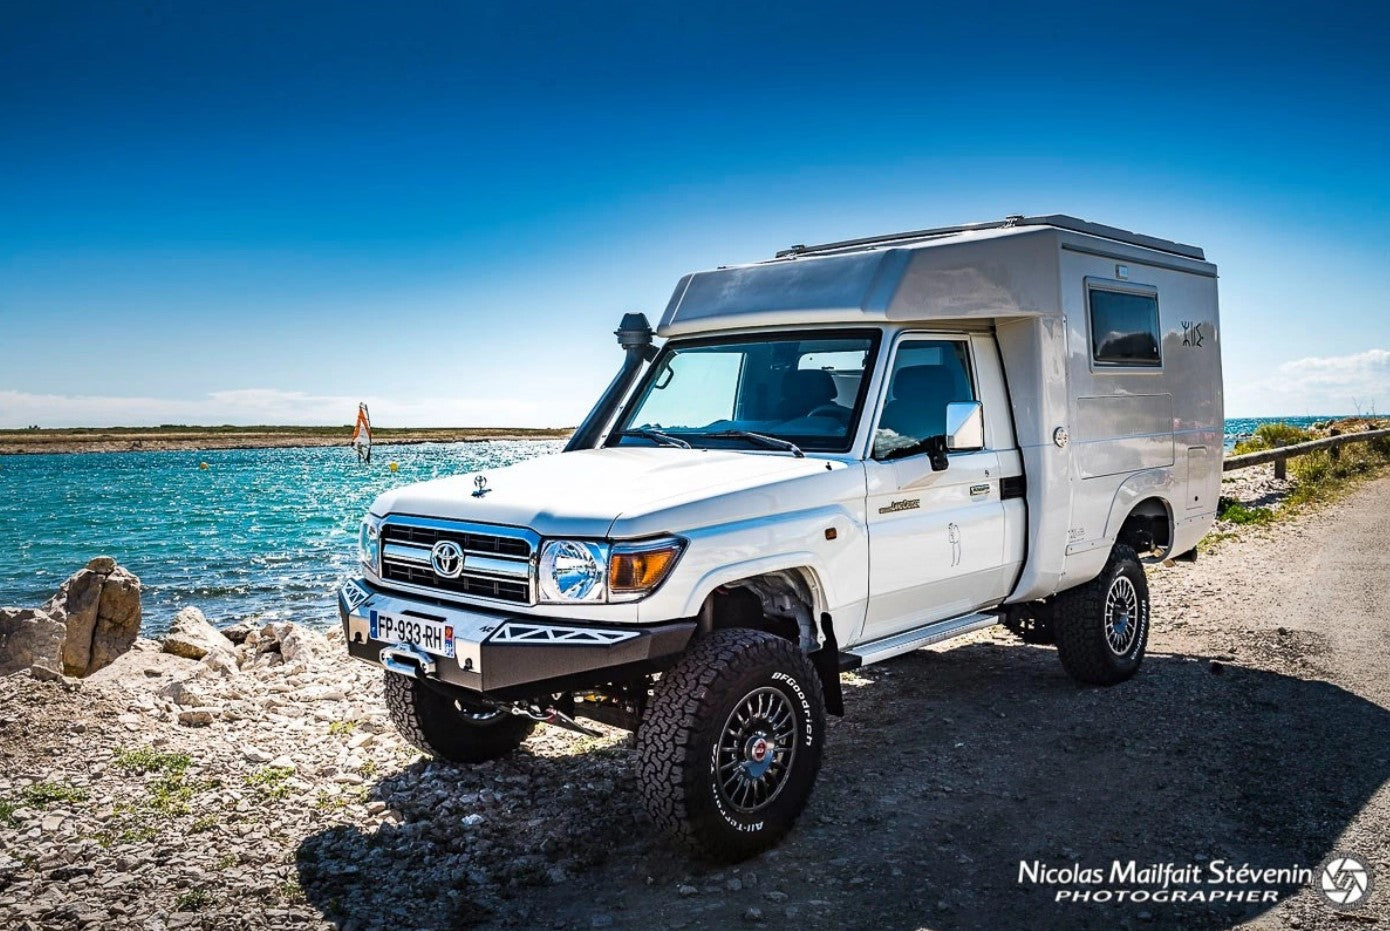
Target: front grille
[[472, 542], [496, 563]]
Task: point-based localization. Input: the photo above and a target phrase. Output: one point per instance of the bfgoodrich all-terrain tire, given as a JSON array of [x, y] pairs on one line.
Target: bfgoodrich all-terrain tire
[[731, 743], [450, 730], [1102, 627]]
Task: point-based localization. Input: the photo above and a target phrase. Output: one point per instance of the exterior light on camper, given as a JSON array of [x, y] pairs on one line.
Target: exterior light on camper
[[1122, 272]]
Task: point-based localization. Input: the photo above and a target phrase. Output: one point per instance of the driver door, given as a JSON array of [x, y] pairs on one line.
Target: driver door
[[936, 539]]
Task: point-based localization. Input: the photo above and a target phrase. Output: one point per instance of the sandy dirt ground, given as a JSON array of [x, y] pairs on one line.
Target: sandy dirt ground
[[1257, 734]]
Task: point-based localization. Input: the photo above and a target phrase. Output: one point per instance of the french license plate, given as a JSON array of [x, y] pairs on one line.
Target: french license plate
[[434, 637]]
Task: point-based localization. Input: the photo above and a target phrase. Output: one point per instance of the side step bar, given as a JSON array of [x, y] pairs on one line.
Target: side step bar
[[876, 651]]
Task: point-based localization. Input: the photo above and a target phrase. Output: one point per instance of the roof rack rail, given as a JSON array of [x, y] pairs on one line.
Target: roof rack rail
[[1057, 220]]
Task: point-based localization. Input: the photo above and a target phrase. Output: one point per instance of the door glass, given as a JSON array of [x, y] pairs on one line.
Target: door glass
[[927, 375]]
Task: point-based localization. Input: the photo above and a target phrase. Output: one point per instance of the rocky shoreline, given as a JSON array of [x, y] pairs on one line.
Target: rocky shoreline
[[203, 780]]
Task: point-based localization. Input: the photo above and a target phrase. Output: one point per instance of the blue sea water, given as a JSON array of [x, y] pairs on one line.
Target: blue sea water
[[1240, 427], [264, 533], [260, 533]]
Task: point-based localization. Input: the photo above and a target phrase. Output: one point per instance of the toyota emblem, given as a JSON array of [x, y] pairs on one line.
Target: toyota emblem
[[446, 558]]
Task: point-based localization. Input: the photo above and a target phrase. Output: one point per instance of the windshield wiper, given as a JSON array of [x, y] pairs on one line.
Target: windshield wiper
[[657, 437], [762, 439]]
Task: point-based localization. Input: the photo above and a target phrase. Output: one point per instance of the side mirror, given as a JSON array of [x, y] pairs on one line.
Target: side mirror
[[965, 425]]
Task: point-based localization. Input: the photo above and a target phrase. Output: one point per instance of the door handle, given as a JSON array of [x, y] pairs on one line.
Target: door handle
[[981, 489]]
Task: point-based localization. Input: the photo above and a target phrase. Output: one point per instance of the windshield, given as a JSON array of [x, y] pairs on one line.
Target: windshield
[[804, 388]]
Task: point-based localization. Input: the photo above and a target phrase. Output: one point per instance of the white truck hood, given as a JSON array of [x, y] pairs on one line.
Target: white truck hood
[[583, 493]]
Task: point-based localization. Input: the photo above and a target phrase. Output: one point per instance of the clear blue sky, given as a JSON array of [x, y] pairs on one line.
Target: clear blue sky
[[265, 211]]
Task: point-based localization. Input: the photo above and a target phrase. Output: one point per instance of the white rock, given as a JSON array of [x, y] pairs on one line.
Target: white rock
[[256, 754], [191, 635], [302, 644], [198, 717]]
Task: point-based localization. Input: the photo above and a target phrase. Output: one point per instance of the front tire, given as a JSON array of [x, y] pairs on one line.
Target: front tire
[[730, 746], [1102, 627], [449, 729]]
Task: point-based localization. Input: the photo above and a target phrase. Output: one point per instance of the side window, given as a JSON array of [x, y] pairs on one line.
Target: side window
[[927, 375], [1124, 328]]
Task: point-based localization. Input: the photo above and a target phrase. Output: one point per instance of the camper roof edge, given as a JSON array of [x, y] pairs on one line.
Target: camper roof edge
[[1055, 220]]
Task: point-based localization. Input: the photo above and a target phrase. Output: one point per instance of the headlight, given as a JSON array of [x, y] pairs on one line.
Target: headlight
[[587, 571], [369, 544], [573, 570]]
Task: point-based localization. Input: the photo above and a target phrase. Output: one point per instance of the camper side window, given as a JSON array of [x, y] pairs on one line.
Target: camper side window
[[1124, 328]]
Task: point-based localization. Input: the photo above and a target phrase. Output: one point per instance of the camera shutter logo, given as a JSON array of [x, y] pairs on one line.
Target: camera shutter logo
[[447, 559], [1345, 881]]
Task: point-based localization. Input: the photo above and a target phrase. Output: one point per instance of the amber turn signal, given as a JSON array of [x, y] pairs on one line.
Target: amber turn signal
[[640, 570]]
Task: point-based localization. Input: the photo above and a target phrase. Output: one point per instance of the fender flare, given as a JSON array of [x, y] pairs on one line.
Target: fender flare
[[804, 562], [1158, 484]]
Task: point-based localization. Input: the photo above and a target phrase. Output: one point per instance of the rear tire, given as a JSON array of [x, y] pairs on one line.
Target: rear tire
[[730, 746], [449, 729], [1102, 627]]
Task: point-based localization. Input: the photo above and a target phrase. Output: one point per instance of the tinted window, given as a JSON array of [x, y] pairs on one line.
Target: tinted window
[[1124, 328], [927, 375]]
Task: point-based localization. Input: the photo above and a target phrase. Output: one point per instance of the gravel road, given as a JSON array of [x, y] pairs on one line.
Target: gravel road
[[1257, 734]]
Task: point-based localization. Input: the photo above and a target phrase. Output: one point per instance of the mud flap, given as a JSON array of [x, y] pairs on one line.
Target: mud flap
[[826, 662]]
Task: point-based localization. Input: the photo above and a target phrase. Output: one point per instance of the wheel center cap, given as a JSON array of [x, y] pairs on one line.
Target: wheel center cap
[[758, 754]]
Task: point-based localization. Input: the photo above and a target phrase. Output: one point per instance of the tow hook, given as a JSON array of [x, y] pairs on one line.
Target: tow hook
[[406, 659], [555, 717]]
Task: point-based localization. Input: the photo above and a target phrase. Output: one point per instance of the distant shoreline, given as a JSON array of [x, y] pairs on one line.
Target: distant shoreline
[[190, 439]]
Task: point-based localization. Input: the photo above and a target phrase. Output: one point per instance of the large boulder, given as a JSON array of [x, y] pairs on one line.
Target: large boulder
[[191, 636], [118, 619], [99, 608], [76, 604], [303, 645], [28, 637]]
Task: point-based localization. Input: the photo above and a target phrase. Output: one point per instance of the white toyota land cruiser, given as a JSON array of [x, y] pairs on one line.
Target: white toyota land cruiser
[[836, 456]]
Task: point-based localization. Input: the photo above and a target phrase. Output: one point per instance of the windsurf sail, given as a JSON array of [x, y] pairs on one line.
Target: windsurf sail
[[362, 434]]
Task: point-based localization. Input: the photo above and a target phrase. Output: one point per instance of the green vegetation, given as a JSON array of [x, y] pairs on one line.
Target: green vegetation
[[337, 728], [193, 900], [41, 794], [290, 891], [149, 760], [170, 793], [271, 780], [1273, 436], [1321, 477], [1236, 513]]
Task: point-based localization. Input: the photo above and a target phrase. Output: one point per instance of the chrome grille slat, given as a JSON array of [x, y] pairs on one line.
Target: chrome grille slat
[[497, 563]]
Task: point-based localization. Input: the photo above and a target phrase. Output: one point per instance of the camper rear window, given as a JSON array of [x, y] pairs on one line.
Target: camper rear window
[[1124, 328]]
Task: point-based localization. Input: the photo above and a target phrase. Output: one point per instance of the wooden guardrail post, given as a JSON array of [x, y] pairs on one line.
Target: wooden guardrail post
[[1280, 455]]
